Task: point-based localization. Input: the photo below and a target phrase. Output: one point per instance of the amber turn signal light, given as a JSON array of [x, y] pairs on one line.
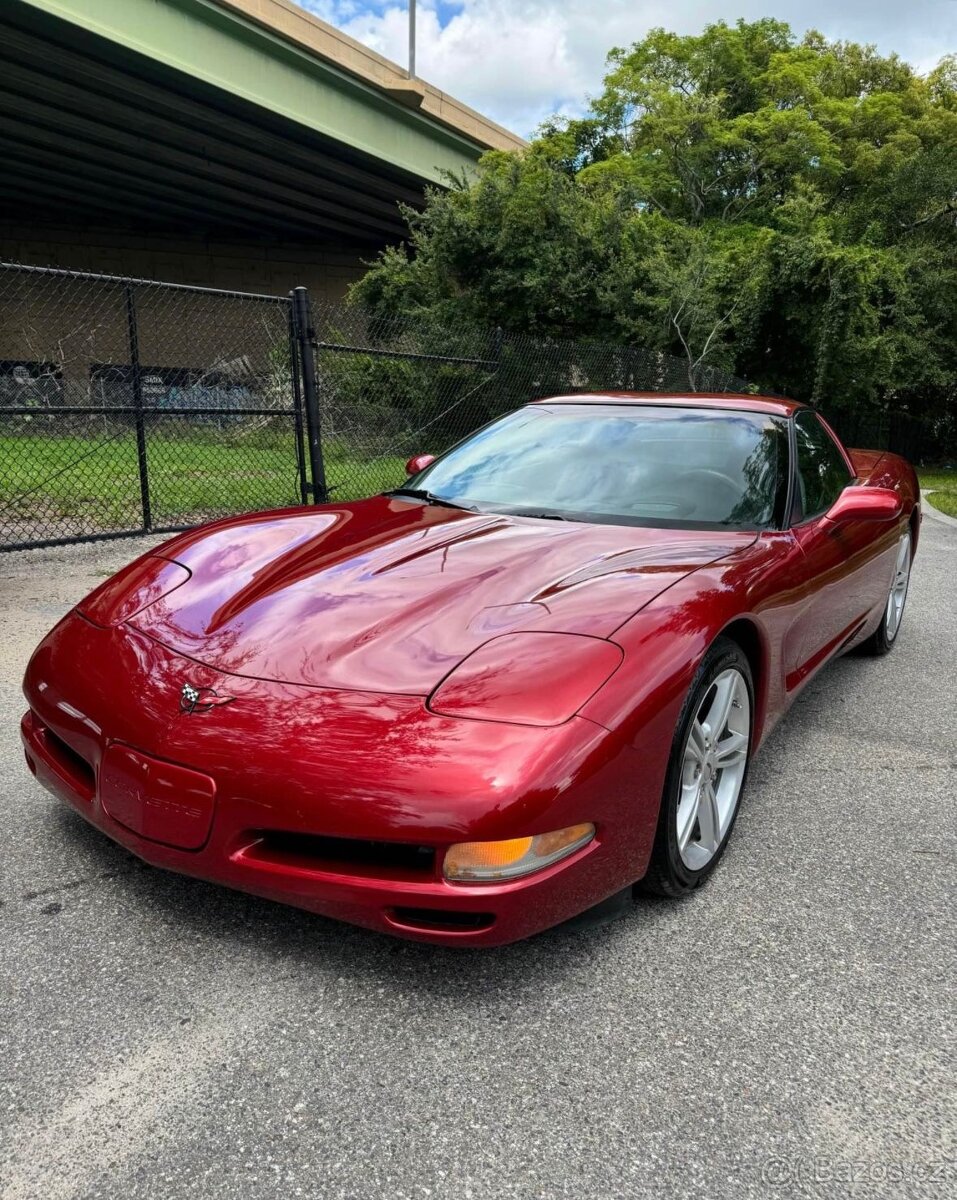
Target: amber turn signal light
[[489, 862]]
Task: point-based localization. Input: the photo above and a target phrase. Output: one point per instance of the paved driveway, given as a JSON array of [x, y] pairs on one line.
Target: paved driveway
[[782, 1031]]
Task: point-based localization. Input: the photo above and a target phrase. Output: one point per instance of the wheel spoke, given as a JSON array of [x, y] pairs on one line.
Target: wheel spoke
[[720, 709], [695, 748], [708, 820], [687, 816], [731, 749]]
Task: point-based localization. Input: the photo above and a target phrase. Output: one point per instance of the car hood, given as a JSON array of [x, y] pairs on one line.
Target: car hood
[[389, 595]]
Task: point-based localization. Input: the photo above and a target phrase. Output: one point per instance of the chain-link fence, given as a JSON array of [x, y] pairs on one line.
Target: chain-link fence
[[129, 406], [919, 439], [388, 389], [392, 388]]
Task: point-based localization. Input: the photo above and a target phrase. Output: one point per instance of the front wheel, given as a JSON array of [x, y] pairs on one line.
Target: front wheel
[[884, 636], [706, 773]]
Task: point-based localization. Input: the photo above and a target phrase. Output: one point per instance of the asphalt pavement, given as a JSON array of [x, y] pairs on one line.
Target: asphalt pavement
[[787, 1031]]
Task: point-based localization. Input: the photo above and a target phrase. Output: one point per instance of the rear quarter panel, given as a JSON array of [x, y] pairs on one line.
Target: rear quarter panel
[[877, 468]]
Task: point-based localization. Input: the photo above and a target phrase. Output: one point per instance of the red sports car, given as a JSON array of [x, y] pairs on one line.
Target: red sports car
[[480, 704]]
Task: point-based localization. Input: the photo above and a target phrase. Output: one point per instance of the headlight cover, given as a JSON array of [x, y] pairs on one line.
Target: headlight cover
[[527, 678], [493, 862], [132, 589]]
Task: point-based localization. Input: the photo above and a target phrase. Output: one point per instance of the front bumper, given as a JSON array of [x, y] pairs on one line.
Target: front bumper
[[225, 794]]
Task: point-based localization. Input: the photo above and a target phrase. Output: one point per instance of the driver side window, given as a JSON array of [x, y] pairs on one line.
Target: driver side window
[[821, 469]]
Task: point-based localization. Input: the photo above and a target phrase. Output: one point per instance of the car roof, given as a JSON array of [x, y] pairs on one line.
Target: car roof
[[736, 401]]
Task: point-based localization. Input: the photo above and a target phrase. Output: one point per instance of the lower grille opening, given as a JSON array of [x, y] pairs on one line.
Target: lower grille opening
[[72, 764], [352, 855], [442, 918]]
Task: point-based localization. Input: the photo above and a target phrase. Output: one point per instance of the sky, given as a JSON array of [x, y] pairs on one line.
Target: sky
[[520, 61]]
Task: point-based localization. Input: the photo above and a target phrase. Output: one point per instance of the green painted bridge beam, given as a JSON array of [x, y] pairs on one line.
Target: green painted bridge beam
[[221, 47]]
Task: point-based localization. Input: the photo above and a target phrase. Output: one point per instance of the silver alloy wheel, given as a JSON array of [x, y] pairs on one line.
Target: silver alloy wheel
[[898, 592], [712, 770]]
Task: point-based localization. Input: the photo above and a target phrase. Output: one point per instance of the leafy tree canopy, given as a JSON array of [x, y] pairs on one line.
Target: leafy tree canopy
[[782, 208]]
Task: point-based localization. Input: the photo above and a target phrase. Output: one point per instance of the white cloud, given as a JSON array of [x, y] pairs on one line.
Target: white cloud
[[521, 60]]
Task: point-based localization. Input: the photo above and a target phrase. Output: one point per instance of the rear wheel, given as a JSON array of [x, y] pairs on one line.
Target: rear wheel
[[706, 773], [883, 638]]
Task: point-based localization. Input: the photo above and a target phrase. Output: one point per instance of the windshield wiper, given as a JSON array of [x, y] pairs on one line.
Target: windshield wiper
[[545, 515], [429, 498]]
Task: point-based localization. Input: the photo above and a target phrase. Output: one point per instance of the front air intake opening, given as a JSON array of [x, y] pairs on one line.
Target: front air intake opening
[[348, 856], [438, 920], [73, 765]]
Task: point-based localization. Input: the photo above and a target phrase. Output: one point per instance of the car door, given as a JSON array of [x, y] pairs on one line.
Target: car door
[[842, 566]]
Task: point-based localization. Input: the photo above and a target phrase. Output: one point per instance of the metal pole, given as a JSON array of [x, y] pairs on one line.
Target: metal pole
[[140, 418], [294, 369], [412, 39], [306, 336]]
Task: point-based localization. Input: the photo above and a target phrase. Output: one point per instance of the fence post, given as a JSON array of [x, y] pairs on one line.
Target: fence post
[[139, 415], [305, 337], [295, 380], [498, 343]]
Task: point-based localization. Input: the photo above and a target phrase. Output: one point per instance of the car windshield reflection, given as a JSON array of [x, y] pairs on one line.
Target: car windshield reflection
[[686, 467]]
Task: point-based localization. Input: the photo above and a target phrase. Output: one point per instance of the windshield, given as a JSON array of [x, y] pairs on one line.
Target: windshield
[[693, 468]]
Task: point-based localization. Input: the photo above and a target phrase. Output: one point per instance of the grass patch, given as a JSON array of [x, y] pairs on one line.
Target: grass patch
[[191, 479], [943, 488]]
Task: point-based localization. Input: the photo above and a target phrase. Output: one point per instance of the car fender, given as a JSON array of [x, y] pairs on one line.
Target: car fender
[[666, 642]]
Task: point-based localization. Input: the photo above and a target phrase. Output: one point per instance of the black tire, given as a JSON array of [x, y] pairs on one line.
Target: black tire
[[667, 874], [879, 643]]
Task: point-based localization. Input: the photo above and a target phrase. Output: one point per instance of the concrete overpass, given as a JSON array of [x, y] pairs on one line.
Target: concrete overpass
[[235, 143]]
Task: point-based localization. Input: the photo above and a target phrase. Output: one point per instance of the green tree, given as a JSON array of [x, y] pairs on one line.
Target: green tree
[[785, 209]]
